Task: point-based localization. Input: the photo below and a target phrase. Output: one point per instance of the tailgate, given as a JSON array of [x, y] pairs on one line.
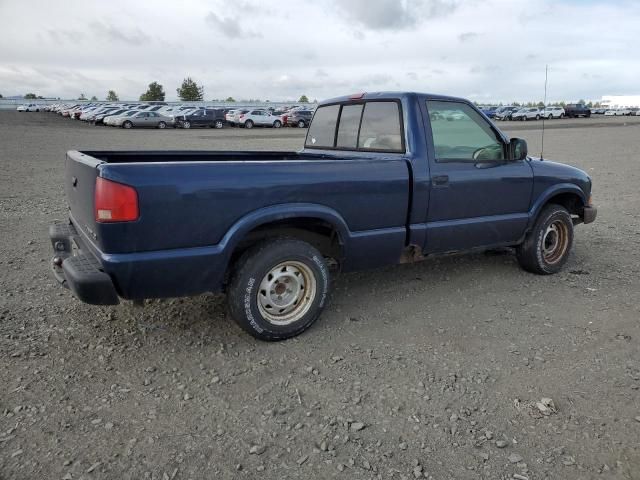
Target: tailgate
[[80, 183]]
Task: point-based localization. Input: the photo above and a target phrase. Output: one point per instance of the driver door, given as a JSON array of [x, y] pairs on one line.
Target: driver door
[[478, 196]]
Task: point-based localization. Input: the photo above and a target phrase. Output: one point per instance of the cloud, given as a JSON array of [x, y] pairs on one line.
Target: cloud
[[228, 26], [132, 37], [467, 36], [393, 14]]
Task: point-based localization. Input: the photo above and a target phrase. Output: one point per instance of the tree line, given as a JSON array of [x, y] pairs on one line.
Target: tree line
[[189, 91]]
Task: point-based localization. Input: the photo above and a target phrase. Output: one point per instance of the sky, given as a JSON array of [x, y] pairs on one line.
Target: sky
[[485, 50]]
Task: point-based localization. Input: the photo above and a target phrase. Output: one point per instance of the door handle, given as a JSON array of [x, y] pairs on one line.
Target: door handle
[[440, 180]]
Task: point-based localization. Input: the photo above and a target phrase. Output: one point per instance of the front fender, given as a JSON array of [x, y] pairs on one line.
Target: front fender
[[551, 192]]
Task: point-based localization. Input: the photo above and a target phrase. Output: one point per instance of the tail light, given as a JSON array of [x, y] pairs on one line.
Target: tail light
[[115, 202], [242, 116]]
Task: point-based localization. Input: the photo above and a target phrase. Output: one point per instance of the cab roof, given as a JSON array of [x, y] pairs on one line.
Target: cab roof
[[388, 96]]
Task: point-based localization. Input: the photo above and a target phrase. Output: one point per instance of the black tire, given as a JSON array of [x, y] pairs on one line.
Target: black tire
[[185, 124], [162, 125], [127, 124], [561, 116], [255, 266], [277, 124], [537, 117], [301, 124], [248, 124], [531, 253], [218, 124]]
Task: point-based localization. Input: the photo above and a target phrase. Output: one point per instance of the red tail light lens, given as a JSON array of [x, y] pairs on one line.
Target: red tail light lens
[[115, 202]]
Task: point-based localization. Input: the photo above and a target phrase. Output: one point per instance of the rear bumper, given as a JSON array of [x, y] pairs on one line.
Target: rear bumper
[[77, 269], [101, 278]]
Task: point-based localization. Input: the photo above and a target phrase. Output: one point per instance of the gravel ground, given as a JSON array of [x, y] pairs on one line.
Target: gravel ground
[[441, 369]]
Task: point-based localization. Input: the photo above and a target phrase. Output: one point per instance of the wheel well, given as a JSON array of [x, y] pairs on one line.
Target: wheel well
[[322, 235], [571, 201]]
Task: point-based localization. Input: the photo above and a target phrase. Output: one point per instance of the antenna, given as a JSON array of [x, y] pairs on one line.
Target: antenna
[[546, 76]]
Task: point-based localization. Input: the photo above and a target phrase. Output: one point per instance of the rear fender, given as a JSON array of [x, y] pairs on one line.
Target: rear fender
[[275, 213]]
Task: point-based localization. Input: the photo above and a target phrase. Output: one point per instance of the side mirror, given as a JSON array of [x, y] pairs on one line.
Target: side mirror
[[518, 149]]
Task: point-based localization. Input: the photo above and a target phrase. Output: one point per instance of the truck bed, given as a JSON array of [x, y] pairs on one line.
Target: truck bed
[[191, 199]]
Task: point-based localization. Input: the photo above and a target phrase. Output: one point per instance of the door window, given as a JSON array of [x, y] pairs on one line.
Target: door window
[[461, 134]]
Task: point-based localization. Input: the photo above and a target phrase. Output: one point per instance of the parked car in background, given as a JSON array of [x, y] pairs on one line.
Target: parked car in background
[[299, 118], [528, 113], [98, 118], [29, 107], [505, 113], [552, 112], [489, 111], [111, 119], [624, 111], [598, 110], [144, 120], [260, 118], [611, 112], [211, 118], [574, 110]]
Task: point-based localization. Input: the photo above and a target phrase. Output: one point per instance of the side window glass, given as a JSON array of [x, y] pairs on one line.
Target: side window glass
[[348, 128], [322, 131], [460, 133], [380, 129]]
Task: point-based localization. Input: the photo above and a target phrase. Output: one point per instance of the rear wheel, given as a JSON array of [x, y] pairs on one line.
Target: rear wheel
[[186, 124], [301, 124], [248, 124], [277, 124], [278, 288], [127, 124], [547, 246]]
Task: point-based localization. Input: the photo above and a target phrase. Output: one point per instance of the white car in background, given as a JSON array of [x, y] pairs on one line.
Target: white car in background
[[615, 112], [553, 112], [261, 118], [29, 107], [528, 113]]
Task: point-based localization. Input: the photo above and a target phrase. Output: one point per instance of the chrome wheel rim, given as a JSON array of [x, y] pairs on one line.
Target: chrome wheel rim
[[554, 242], [286, 293]]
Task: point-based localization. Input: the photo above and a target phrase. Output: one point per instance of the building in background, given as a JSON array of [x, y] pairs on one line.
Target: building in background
[[618, 101]]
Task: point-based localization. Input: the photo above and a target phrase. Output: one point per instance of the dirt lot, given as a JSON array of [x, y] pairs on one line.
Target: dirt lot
[[430, 370]]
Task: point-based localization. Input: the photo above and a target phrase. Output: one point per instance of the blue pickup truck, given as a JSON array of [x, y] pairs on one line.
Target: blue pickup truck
[[383, 178]]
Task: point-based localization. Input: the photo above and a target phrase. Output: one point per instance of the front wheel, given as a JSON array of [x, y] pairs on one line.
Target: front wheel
[[218, 124], [301, 124], [278, 288], [127, 124], [547, 246], [162, 125], [186, 124], [537, 117], [277, 124]]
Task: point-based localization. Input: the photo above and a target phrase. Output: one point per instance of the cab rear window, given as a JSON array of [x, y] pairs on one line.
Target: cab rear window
[[365, 126]]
